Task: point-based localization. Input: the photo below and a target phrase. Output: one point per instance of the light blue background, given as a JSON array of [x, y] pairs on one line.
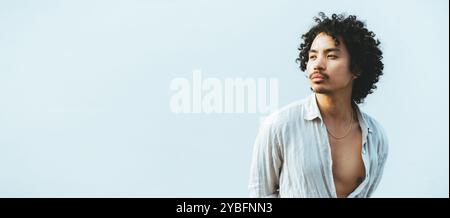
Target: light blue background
[[84, 93]]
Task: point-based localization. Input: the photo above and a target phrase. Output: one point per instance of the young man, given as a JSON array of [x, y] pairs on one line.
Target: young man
[[324, 146]]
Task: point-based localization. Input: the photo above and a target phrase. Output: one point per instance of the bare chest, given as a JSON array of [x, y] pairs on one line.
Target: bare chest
[[348, 166]]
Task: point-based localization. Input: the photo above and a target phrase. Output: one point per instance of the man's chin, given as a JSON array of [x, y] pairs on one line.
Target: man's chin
[[319, 90]]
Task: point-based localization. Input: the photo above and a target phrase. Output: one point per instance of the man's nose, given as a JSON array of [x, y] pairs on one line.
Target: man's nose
[[319, 64]]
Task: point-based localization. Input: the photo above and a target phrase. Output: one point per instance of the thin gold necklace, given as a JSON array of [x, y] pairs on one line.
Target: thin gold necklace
[[347, 132]]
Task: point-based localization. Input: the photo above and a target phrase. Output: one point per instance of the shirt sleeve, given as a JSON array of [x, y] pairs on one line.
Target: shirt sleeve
[[266, 163], [382, 158]]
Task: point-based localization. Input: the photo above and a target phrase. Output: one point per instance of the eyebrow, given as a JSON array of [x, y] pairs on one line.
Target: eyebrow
[[326, 50]]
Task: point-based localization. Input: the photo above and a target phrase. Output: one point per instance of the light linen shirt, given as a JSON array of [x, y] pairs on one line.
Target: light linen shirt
[[292, 156]]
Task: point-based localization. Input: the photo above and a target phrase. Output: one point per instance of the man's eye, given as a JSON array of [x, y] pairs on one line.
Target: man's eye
[[332, 56], [312, 57]]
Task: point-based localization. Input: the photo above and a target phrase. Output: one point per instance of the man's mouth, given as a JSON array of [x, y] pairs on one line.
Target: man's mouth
[[317, 77]]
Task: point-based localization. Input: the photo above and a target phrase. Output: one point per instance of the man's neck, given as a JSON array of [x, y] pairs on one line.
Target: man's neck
[[335, 107]]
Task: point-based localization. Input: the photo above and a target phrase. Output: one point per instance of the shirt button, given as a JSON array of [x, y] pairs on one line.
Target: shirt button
[[364, 151]]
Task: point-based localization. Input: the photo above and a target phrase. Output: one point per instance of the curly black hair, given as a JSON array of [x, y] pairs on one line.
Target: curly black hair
[[365, 54]]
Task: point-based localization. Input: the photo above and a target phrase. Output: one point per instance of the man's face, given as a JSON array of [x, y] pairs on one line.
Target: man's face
[[328, 65]]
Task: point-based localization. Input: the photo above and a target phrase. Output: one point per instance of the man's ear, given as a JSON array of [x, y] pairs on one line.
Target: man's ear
[[357, 73]]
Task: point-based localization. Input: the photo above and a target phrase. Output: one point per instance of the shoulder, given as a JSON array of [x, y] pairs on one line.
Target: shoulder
[[286, 115]]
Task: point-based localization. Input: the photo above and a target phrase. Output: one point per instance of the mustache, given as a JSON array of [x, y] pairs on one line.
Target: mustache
[[314, 73]]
